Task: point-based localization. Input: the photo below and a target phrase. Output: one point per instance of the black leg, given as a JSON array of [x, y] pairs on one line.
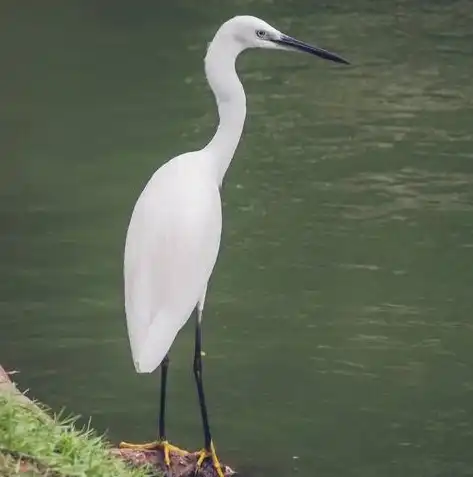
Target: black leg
[[198, 380], [162, 407]]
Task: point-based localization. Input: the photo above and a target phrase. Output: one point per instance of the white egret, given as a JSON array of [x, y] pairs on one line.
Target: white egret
[[174, 234]]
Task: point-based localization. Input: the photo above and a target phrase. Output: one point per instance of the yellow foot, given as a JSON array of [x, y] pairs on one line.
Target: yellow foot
[[205, 454], [165, 446]]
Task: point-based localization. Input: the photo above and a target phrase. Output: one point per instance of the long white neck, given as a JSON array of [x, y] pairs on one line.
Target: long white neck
[[231, 103]]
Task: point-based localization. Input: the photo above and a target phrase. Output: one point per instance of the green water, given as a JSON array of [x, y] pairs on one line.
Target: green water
[[339, 324]]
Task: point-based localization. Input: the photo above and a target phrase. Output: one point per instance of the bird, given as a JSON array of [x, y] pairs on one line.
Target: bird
[[173, 237]]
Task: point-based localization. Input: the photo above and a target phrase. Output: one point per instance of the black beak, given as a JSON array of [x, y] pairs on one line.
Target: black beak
[[313, 50]]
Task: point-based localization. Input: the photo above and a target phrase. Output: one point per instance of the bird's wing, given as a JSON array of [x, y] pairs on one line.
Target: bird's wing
[[171, 248]]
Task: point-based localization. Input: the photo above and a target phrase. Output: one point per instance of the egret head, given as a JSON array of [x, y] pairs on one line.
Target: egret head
[[250, 32]]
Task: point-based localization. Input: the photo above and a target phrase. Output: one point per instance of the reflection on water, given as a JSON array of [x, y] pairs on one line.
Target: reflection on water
[[338, 327]]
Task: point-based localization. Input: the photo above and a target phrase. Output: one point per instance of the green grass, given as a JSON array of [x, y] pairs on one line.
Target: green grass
[[53, 446]]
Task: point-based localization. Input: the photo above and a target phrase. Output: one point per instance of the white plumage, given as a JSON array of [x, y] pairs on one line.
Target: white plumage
[[171, 248], [174, 233]]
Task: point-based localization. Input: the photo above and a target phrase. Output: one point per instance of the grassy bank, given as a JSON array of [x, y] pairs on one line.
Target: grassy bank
[[33, 442]]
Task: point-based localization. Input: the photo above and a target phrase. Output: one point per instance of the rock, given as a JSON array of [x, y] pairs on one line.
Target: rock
[[181, 465]]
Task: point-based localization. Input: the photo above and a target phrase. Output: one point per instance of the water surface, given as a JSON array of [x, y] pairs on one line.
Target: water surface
[[338, 325]]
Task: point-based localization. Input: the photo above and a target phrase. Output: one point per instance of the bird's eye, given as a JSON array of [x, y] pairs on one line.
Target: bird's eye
[[260, 33]]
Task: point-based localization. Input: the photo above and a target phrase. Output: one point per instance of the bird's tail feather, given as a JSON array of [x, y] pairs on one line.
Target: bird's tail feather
[[156, 345]]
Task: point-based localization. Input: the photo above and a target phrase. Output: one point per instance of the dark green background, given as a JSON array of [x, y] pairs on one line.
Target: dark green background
[[339, 325]]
